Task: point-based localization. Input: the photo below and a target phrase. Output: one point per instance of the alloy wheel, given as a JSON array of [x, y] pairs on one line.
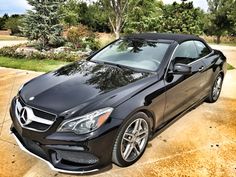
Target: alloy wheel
[[134, 140], [217, 87]]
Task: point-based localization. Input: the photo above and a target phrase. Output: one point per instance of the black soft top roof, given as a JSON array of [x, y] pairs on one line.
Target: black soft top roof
[[179, 38]]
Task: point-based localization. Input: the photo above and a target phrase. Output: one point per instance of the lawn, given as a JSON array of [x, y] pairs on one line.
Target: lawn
[[11, 38], [28, 64]]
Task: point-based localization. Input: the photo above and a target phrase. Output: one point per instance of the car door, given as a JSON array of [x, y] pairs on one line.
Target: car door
[[207, 56], [183, 90]]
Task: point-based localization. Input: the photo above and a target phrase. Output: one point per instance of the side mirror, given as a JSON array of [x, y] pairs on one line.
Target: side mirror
[[180, 68]]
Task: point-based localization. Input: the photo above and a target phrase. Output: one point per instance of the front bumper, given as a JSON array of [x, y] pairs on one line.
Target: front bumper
[[67, 152], [49, 164]]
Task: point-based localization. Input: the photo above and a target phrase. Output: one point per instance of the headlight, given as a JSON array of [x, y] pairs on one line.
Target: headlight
[[86, 123]]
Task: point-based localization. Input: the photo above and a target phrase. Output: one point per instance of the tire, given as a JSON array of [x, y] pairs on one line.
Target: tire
[[216, 89], [131, 140]]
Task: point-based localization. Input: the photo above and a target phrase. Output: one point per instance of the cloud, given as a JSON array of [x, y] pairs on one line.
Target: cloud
[[13, 7]]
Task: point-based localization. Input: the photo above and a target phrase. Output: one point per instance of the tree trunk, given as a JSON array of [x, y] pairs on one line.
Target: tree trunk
[[115, 27], [117, 33], [218, 39]]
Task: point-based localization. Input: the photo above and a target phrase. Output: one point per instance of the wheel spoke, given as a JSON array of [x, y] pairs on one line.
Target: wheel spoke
[[136, 126], [142, 132], [134, 139], [219, 82], [141, 137], [137, 149], [128, 150]]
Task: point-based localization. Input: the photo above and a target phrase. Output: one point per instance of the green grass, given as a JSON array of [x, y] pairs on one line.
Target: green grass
[[230, 67], [29, 64]]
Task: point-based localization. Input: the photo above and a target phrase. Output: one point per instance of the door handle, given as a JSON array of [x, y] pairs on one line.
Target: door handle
[[201, 68]]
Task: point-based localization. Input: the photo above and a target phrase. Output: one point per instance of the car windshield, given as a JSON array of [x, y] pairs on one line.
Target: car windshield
[[133, 53]]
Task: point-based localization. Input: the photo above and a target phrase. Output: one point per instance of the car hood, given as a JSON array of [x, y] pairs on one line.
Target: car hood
[[81, 83]]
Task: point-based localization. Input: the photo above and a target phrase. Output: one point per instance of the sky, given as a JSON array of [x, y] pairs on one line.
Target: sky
[[20, 6], [13, 6], [197, 3]]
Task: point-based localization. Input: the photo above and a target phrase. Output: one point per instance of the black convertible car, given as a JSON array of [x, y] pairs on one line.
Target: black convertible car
[[88, 114]]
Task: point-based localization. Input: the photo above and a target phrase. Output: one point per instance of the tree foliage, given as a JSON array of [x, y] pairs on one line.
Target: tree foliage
[[233, 18], [3, 21], [144, 16], [42, 23], [70, 11], [95, 17], [91, 15], [221, 18], [45, 22], [13, 24], [182, 18]]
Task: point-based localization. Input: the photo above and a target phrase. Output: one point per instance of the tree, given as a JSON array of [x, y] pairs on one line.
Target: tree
[[3, 21], [117, 13], [70, 11], [42, 23], [13, 24], [233, 18], [144, 16], [219, 18], [95, 17], [89, 14], [182, 18]]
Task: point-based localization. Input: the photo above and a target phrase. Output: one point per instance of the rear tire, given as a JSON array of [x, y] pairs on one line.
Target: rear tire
[[216, 89], [131, 140]]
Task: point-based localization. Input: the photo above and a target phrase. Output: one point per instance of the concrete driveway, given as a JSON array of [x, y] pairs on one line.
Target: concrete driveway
[[11, 43], [202, 143]]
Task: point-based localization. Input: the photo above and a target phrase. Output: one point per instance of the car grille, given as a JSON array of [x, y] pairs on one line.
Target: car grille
[[31, 118]]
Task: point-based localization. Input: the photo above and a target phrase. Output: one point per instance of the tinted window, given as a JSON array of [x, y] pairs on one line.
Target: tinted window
[[140, 54], [202, 49], [186, 53]]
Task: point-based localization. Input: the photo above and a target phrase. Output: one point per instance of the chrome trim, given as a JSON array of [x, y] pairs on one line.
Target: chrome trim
[[31, 117], [49, 164], [171, 58], [201, 58]]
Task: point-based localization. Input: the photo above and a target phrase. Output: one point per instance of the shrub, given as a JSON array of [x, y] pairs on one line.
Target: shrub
[[92, 43], [62, 56], [81, 38], [10, 51]]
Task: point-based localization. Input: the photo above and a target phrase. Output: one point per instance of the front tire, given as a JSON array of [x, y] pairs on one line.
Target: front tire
[[216, 89], [132, 140]]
